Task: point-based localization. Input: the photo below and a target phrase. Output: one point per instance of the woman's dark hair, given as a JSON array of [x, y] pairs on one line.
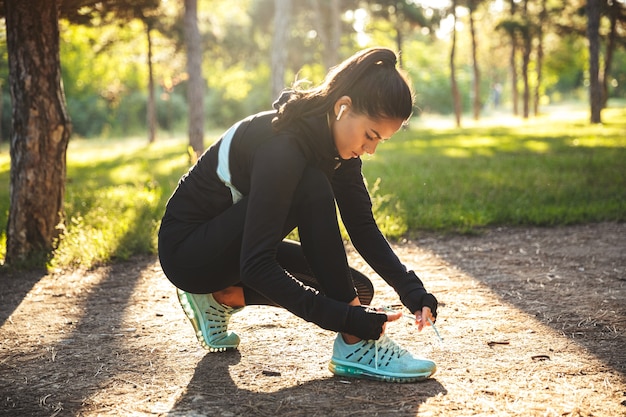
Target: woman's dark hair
[[377, 88]]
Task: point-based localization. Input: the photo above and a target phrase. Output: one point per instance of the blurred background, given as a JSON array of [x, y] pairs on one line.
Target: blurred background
[[509, 55]]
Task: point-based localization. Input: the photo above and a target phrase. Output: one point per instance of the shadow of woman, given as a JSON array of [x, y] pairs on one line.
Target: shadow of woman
[[214, 391]]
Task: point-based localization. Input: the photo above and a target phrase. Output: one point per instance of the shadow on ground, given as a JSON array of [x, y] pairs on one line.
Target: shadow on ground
[[582, 298], [65, 346], [14, 286], [212, 391]]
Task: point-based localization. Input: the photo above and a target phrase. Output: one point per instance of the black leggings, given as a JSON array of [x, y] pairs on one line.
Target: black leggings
[[205, 258]]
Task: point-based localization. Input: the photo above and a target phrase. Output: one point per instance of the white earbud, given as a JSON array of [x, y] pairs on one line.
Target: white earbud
[[341, 110]]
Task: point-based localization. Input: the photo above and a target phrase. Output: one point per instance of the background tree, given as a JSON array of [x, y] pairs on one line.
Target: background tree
[[151, 107], [282, 17], [616, 12], [593, 35], [456, 97], [41, 127], [404, 15], [477, 102], [195, 83], [511, 27], [526, 29], [542, 21], [328, 26]]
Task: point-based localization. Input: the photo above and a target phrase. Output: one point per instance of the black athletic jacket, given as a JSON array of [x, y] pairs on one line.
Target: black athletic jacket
[[266, 166]]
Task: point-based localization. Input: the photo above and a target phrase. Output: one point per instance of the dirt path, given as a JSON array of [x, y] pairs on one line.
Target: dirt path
[[533, 322]]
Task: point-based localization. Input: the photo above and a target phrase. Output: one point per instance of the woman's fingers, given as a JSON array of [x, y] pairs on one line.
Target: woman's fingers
[[393, 315], [422, 318]]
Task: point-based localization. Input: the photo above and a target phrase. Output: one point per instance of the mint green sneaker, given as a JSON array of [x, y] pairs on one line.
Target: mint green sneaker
[[381, 360], [209, 320]]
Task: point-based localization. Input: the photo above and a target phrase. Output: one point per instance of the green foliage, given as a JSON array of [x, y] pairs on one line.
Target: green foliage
[[171, 111], [564, 65], [89, 114], [552, 171], [105, 67], [617, 79], [115, 197]]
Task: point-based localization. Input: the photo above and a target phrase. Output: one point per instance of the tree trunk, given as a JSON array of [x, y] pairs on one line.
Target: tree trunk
[[40, 131], [527, 45], [328, 26], [513, 68], [513, 64], [1, 109], [151, 108], [614, 11], [332, 55], [542, 22], [195, 83], [477, 101], [593, 35], [282, 16], [399, 43], [456, 97], [525, 64]]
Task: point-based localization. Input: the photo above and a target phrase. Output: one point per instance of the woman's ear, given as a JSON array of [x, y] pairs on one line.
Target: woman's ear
[[342, 106]]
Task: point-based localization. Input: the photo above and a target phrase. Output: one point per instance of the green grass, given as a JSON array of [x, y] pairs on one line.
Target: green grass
[[551, 170], [547, 171], [115, 194]]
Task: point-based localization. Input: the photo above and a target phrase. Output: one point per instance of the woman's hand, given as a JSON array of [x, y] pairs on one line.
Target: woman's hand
[[424, 318], [391, 316]]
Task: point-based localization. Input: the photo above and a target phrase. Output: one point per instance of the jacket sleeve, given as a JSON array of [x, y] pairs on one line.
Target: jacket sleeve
[[276, 172], [355, 207]]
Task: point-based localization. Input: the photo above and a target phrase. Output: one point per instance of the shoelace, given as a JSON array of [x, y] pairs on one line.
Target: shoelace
[[390, 347]]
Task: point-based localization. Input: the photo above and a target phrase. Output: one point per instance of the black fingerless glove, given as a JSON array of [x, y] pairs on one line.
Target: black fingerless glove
[[416, 300], [429, 300], [365, 322]]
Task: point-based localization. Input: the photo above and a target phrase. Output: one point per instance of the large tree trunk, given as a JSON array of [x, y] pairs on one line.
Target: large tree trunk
[[40, 132], [593, 35], [456, 96], [282, 17], [477, 102], [195, 83]]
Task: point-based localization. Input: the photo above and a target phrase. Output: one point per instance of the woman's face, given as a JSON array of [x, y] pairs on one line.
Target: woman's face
[[356, 134]]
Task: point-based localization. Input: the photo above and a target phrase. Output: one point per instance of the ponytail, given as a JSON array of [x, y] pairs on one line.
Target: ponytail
[[370, 78]]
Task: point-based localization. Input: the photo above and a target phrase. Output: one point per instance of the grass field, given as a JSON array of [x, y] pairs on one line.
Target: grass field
[[551, 170], [547, 171]]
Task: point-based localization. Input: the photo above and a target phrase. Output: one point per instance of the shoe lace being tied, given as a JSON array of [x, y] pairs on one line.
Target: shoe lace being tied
[[390, 347]]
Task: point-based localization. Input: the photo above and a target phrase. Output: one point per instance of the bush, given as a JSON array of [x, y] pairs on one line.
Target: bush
[[171, 110], [89, 115]]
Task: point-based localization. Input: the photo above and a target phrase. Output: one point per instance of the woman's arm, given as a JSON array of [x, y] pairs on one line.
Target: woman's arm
[[355, 207]]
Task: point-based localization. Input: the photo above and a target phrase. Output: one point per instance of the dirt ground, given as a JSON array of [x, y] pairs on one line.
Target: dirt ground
[[533, 323]]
